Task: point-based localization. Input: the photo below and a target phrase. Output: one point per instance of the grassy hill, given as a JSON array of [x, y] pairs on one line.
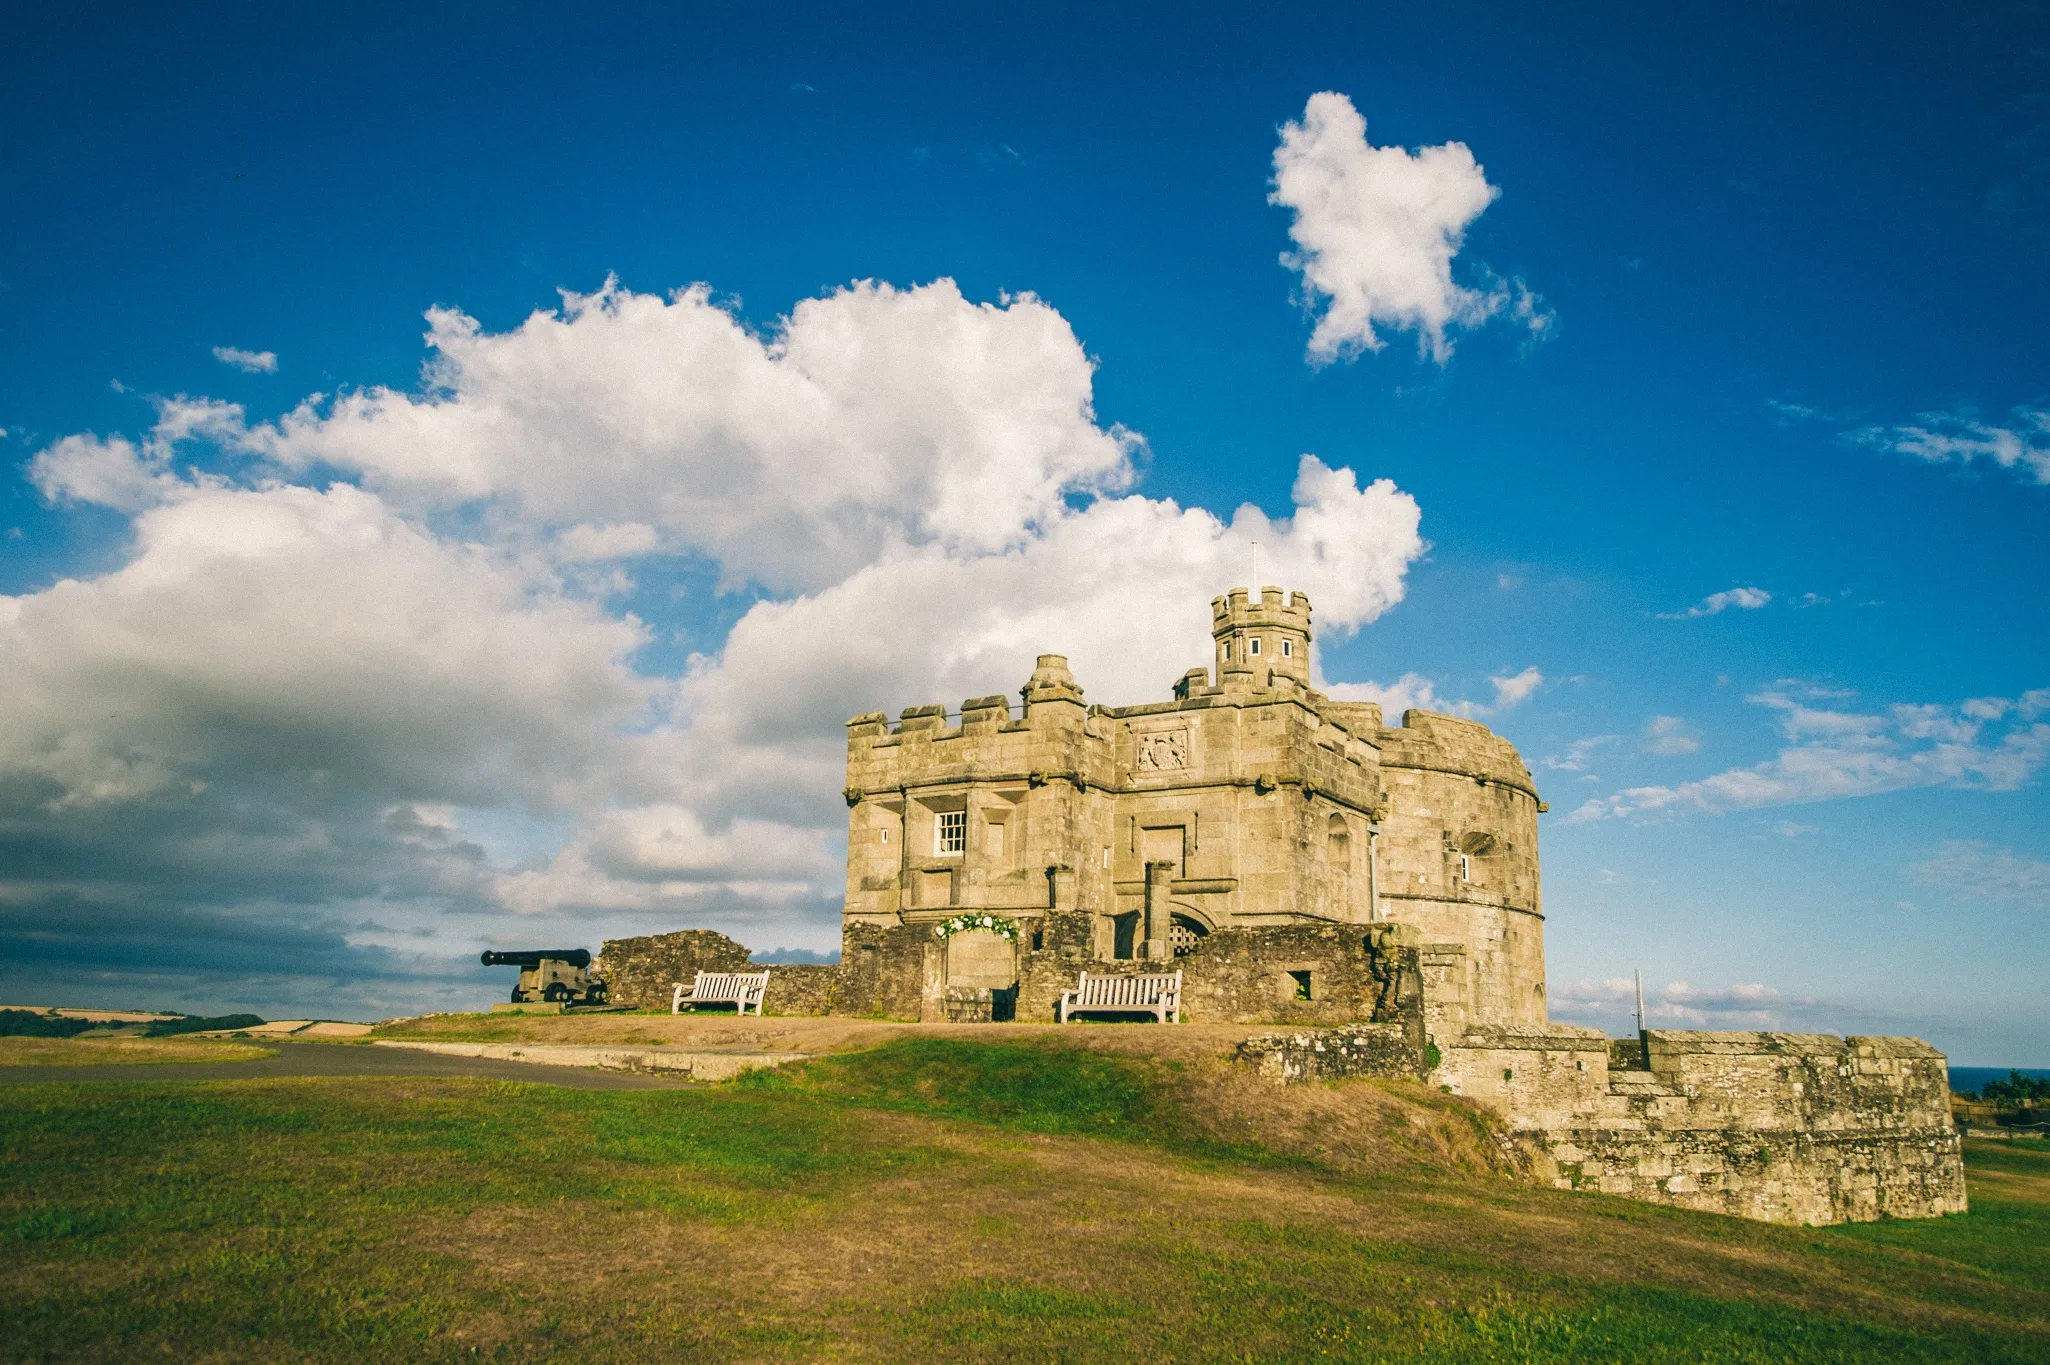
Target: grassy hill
[[1010, 1200]]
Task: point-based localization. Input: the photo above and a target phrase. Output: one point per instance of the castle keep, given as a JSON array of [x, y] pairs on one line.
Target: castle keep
[[1251, 802], [1302, 863]]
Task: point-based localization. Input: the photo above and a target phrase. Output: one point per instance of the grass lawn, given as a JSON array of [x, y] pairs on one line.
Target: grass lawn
[[924, 1199], [90, 1051]]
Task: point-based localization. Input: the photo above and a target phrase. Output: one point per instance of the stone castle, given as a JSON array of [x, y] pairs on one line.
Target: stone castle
[[1302, 863]]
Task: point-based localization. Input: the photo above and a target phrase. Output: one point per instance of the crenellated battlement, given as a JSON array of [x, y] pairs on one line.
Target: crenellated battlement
[[1261, 642]]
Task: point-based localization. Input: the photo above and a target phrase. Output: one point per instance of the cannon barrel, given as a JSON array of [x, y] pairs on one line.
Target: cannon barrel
[[575, 957]]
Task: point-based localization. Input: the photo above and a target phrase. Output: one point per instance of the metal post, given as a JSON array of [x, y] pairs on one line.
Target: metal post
[[1642, 1040]]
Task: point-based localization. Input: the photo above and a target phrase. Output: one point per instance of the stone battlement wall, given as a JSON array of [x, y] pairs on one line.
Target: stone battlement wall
[[1784, 1127]]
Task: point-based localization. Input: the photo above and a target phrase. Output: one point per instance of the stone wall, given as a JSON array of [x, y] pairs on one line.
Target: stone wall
[[1384, 1051], [642, 972], [1458, 859], [1784, 1127], [1787, 1176], [883, 970], [1351, 973], [800, 988]]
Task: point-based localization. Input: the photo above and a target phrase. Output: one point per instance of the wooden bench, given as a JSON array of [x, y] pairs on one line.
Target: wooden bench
[[722, 988], [1159, 996]]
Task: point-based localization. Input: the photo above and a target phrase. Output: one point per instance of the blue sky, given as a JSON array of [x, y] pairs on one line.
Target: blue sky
[[1765, 248]]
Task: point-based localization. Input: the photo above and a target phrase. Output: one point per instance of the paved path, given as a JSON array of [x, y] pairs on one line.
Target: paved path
[[339, 1059]]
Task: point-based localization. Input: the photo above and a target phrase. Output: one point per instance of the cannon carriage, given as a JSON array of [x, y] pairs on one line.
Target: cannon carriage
[[556, 976]]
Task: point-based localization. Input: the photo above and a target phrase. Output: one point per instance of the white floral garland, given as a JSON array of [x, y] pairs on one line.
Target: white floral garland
[[961, 924]]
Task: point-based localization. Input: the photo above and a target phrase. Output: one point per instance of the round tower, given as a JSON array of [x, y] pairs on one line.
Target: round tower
[[1262, 640]]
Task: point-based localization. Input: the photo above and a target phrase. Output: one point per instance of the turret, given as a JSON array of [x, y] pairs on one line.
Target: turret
[[1260, 641], [1051, 683]]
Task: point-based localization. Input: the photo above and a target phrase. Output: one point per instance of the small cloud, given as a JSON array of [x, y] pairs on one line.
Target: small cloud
[[1744, 599], [117, 386], [1610, 877], [1507, 582], [1833, 753], [1410, 692], [1578, 754], [1967, 870], [1942, 437], [1414, 691], [800, 88], [1789, 413], [1376, 230], [1667, 736], [249, 362], [1514, 689], [1787, 829], [14, 533]]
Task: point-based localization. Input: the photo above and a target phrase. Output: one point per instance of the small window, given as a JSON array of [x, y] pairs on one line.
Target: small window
[[1256, 646], [1106, 857], [1465, 868], [886, 836], [1288, 649], [1302, 984], [951, 834]]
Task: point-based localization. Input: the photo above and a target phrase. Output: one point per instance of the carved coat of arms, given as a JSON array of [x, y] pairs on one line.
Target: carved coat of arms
[[1163, 750]]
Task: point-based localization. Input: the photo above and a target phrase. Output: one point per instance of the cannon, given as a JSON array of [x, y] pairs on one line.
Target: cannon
[[560, 976]]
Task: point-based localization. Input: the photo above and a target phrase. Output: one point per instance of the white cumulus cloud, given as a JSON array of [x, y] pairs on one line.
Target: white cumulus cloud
[[1513, 689], [1940, 437], [1376, 230], [1415, 692], [249, 362], [1986, 743], [872, 418], [360, 702], [1743, 599]]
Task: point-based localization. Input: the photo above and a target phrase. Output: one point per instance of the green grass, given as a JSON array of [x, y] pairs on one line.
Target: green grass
[[2004, 1237], [1041, 1088], [926, 1199]]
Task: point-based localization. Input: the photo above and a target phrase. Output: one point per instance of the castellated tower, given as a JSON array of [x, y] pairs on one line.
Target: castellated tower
[[1286, 857], [1262, 643], [1251, 828]]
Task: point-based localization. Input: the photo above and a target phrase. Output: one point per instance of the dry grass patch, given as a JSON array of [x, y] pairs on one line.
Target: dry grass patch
[[813, 1034], [85, 1051]]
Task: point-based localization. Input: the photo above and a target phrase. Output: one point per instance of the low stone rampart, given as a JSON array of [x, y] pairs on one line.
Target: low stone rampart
[[1784, 1127], [1356, 1051]]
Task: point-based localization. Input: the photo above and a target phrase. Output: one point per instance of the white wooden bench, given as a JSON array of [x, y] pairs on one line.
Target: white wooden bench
[[722, 988], [1159, 996]]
